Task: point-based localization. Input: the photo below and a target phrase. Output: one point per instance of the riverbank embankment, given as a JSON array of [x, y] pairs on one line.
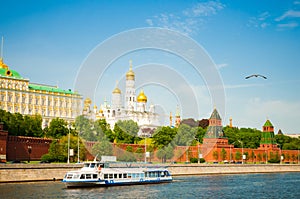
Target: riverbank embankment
[[47, 172]]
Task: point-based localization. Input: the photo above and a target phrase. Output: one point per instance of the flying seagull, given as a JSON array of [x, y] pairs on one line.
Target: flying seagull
[[255, 75]]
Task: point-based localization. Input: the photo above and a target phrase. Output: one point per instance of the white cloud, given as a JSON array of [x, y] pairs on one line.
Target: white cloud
[[149, 22], [204, 9], [264, 25], [263, 16], [219, 66], [287, 25], [260, 20], [189, 20], [289, 14]]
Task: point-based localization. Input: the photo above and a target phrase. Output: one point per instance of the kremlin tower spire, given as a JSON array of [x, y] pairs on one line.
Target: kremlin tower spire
[[130, 89], [177, 117]]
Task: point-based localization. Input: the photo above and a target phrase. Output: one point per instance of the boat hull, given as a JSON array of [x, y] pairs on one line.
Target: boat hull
[[107, 183]]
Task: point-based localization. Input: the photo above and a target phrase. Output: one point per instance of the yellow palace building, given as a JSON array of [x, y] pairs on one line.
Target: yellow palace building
[[18, 95]]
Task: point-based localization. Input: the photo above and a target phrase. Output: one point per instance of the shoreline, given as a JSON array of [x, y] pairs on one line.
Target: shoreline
[[15, 173]]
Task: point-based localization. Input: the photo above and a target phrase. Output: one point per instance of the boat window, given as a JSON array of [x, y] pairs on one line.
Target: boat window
[[167, 173], [86, 165], [120, 175], [158, 173], [146, 174], [162, 174], [110, 175], [82, 176], [105, 176], [152, 174], [95, 176], [69, 176], [88, 176], [137, 175], [100, 165], [76, 176], [124, 175], [133, 175], [142, 175], [115, 175], [93, 165]]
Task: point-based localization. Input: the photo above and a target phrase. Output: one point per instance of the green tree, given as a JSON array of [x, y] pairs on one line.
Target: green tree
[[19, 125], [102, 148], [223, 154], [216, 155], [252, 156], [200, 134], [126, 132], [139, 153], [165, 153], [249, 137], [55, 153], [126, 156], [238, 155], [86, 128], [163, 136], [259, 157], [294, 157], [58, 128], [103, 129], [129, 149], [274, 158], [185, 135], [287, 157]]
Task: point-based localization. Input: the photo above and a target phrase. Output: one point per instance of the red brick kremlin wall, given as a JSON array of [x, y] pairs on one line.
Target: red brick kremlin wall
[[16, 148]]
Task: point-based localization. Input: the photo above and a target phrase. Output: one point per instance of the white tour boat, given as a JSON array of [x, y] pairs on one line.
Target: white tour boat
[[100, 174]]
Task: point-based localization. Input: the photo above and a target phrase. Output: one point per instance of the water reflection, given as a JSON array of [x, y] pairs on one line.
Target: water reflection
[[215, 186]]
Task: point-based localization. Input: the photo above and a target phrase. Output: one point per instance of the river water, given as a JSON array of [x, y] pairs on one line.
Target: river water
[[274, 185]]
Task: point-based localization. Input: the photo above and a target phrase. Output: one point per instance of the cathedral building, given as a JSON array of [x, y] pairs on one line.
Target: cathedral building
[[134, 107], [19, 95]]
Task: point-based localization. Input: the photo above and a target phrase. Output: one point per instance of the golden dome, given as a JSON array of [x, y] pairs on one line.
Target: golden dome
[[116, 90], [100, 111], [95, 107], [87, 101], [130, 74], [142, 97]]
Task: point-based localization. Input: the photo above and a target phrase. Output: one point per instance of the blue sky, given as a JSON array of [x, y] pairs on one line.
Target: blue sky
[[48, 42]]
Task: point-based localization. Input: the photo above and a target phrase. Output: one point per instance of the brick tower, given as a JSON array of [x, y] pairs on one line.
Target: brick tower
[[214, 139], [267, 137]]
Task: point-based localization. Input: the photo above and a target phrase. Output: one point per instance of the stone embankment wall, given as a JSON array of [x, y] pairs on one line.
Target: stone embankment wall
[[44, 172], [231, 169]]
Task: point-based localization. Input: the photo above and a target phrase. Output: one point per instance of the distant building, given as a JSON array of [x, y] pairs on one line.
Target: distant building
[[230, 122], [134, 107], [293, 135], [19, 95]]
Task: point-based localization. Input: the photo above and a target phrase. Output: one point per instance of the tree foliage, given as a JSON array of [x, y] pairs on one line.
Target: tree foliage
[[18, 125], [58, 150], [58, 128], [163, 136], [102, 148], [165, 153], [185, 135], [249, 138], [126, 132]]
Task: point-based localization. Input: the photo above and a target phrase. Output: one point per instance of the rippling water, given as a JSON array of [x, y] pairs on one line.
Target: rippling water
[[279, 185]]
